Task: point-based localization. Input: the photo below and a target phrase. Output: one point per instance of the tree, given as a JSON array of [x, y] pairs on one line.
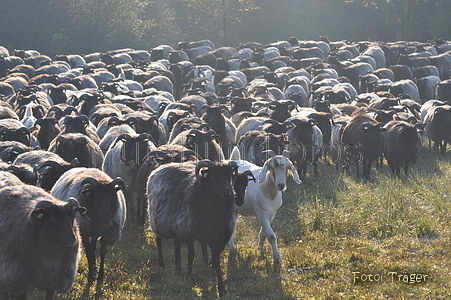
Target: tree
[[215, 17]]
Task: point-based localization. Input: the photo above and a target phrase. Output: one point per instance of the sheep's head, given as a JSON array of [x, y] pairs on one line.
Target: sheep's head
[[50, 171], [218, 178], [100, 198], [57, 221], [240, 186]]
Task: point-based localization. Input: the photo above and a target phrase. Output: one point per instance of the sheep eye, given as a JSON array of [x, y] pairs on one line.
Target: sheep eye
[[86, 193]]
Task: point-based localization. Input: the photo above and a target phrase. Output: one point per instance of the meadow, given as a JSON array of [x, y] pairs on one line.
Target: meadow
[[340, 237]]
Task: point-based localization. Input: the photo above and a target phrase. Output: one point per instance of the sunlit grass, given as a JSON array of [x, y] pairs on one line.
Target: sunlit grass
[[327, 228]]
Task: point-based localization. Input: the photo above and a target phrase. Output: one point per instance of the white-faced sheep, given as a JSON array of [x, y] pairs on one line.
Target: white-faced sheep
[[39, 241], [105, 203]]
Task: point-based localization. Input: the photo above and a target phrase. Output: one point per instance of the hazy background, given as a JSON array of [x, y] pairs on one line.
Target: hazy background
[[85, 26]]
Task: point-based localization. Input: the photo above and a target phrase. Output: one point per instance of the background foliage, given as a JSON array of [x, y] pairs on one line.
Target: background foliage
[[65, 26]]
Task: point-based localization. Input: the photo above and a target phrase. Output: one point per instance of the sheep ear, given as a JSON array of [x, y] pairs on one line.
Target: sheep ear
[[262, 174], [37, 215]]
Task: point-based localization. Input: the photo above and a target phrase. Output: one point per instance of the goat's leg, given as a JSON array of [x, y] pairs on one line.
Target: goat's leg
[[266, 231]]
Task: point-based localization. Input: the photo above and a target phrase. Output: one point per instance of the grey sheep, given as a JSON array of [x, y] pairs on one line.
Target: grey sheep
[[402, 145], [106, 211], [39, 241], [190, 202]]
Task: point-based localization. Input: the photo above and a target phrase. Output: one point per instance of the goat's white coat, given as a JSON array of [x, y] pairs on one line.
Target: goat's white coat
[[263, 198]]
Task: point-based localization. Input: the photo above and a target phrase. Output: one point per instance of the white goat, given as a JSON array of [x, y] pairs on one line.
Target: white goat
[[264, 198]]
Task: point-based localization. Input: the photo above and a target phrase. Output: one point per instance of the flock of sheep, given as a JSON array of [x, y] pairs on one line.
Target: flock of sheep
[[191, 137]]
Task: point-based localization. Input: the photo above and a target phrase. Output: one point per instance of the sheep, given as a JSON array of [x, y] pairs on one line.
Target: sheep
[[402, 145], [363, 140], [47, 165], [9, 179], [221, 125], [106, 211], [202, 142], [13, 130], [443, 90], [263, 199], [437, 122], [306, 142], [427, 87], [405, 87], [39, 240], [190, 202], [45, 130], [80, 146], [443, 63], [162, 155], [254, 142], [9, 150], [124, 158], [79, 124]]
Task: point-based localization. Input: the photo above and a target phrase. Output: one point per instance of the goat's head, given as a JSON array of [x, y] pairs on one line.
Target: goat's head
[[278, 166]]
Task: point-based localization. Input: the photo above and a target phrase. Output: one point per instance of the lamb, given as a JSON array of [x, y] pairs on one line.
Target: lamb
[[264, 198], [106, 211], [190, 202], [39, 241]]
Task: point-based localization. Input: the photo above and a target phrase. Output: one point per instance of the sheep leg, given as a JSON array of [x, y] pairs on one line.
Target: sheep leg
[[205, 253], [232, 240], [266, 231], [49, 294], [191, 257], [90, 249], [160, 252], [177, 248], [103, 251], [215, 260]]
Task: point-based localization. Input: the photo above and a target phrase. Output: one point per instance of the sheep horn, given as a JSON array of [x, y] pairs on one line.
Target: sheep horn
[[121, 137], [89, 180], [204, 125], [181, 155], [202, 164], [165, 156], [49, 163], [249, 174], [119, 182], [113, 121]]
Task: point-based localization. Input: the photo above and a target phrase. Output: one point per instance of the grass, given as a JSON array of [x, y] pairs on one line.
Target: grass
[[333, 231]]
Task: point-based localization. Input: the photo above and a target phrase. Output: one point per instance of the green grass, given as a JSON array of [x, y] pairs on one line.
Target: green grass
[[328, 227]]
